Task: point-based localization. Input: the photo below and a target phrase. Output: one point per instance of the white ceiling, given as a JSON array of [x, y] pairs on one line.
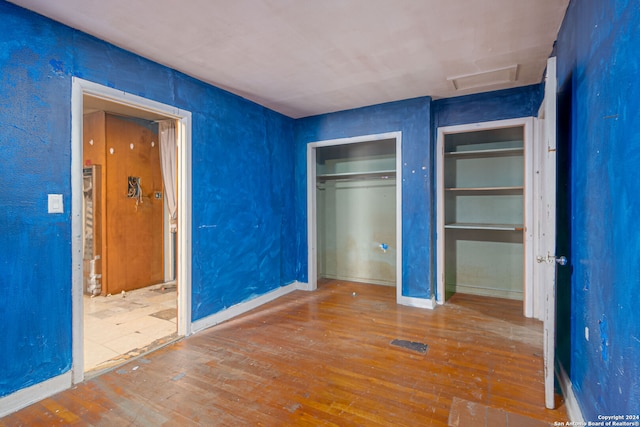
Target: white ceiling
[[307, 57]]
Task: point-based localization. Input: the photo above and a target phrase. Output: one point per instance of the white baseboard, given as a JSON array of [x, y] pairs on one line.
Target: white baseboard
[[35, 393], [303, 286], [429, 303], [484, 291], [570, 401], [368, 281], [241, 308]]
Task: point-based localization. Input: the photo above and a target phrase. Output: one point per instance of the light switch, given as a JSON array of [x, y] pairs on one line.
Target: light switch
[[55, 203]]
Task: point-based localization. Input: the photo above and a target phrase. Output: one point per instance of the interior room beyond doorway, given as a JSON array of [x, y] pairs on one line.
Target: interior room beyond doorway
[[129, 233]]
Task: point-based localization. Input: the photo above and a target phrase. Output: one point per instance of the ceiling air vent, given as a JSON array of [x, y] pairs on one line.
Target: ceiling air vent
[[485, 78]]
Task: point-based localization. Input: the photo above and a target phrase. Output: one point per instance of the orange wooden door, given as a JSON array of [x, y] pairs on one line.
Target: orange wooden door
[[134, 225]]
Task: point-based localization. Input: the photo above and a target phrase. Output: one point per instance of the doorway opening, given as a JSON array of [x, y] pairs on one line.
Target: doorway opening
[[354, 210], [131, 220], [130, 300]]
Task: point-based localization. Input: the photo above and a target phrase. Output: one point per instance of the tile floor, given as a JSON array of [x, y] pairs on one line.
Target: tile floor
[[119, 327]]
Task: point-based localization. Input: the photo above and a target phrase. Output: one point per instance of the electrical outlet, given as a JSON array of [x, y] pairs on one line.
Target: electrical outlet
[[133, 187]]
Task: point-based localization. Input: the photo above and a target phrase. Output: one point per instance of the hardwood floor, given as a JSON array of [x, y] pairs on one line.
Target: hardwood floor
[[324, 358]]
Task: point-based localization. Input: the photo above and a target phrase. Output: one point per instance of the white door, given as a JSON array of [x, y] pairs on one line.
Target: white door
[[545, 245]]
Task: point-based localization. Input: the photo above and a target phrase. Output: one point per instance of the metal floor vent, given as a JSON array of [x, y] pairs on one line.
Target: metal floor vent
[[410, 345]]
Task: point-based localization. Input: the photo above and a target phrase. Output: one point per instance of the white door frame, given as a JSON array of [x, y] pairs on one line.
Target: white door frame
[[82, 87], [528, 124], [312, 236]]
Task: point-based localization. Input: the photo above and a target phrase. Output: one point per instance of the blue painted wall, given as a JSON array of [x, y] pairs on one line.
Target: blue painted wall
[[598, 52], [243, 166], [36, 305], [413, 118], [484, 107]]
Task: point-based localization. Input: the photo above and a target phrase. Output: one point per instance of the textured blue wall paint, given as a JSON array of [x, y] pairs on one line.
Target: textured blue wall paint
[[413, 118], [598, 53], [35, 308], [498, 105], [243, 240], [243, 164]]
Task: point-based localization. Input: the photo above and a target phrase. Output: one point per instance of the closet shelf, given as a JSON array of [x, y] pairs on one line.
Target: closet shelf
[[497, 152], [357, 175], [478, 226], [486, 190]]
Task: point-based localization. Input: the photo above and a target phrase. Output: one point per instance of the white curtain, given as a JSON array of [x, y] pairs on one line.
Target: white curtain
[[167, 130]]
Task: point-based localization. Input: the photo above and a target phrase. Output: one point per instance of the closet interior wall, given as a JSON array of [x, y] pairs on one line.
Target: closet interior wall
[[356, 212]]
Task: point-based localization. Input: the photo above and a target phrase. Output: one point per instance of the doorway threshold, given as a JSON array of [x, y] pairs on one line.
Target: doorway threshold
[[136, 354], [122, 326]]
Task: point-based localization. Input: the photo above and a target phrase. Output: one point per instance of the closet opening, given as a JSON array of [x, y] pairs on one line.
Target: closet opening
[[355, 210], [484, 210]]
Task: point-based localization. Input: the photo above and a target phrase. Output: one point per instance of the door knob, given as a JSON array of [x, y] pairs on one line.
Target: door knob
[[561, 260]]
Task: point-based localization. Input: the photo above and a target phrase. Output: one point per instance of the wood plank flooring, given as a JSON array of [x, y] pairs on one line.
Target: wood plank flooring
[[323, 358]]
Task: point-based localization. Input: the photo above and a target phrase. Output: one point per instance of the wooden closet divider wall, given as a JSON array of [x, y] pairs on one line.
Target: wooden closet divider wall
[[132, 227]]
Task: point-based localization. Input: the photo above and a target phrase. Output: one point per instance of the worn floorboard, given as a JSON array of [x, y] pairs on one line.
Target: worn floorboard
[[324, 358]]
